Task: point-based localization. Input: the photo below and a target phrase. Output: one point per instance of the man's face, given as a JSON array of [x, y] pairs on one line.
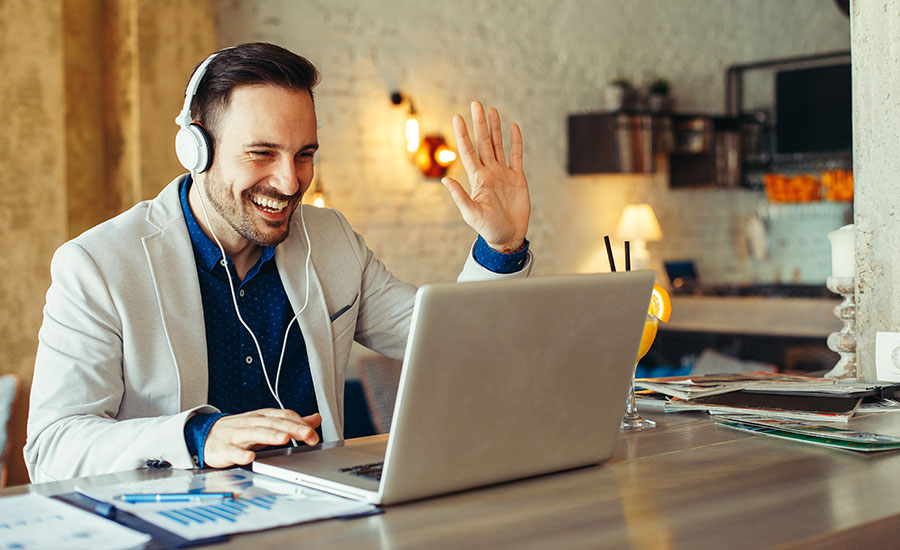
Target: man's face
[[263, 161]]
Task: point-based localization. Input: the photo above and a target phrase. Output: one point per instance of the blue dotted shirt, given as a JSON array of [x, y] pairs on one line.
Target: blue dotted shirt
[[236, 382]]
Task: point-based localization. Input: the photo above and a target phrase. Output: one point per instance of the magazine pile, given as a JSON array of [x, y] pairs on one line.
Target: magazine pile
[[801, 408]]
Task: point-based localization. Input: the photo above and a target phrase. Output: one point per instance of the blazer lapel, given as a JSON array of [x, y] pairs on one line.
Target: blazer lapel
[[171, 261], [290, 256]]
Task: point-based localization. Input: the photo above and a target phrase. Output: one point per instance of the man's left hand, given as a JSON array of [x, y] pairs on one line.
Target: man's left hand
[[499, 206]]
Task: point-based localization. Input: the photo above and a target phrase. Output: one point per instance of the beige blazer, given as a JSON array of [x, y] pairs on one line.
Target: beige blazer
[[121, 362]]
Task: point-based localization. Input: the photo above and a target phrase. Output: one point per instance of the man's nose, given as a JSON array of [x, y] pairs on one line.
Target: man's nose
[[285, 179]]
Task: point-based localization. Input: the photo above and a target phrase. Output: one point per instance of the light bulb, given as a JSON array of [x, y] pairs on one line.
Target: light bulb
[[445, 156], [412, 134]]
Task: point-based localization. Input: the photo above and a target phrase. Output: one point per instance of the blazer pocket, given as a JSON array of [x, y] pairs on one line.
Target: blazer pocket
[[341, 319]]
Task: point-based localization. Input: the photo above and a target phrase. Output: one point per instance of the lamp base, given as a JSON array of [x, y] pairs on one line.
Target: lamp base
[[640, 256], [843, 342]]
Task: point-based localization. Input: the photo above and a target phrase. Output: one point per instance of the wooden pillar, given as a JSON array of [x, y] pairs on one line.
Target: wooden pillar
[[89, 96], [32, 189], [875, 33], [127, 63]]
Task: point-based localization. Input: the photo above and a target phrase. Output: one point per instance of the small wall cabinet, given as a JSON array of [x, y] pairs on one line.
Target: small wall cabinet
[[703, 150]]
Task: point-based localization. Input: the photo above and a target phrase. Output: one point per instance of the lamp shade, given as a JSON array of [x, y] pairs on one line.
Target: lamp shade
[[638, 223]]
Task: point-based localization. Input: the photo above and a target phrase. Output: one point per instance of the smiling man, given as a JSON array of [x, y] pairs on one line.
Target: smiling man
[[217, 319]]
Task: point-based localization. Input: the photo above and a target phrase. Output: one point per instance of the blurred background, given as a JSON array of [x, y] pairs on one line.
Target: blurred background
[[93, 86]]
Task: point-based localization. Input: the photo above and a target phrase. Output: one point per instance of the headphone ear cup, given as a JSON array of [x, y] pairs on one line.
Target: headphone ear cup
[[193, 148]]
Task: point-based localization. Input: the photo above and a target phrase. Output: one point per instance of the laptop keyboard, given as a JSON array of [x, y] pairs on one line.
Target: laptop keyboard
[[371, 471]]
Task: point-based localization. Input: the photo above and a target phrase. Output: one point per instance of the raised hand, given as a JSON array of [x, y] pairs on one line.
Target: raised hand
[[499, 206]]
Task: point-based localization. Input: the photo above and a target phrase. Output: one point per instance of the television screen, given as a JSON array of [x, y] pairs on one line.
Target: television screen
[[813, 110]]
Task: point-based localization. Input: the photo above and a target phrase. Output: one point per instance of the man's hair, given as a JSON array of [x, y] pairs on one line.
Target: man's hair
[[244, 65]]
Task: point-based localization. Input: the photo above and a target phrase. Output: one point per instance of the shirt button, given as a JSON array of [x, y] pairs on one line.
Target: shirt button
[[241, 293], [223, 263], [249, 359]]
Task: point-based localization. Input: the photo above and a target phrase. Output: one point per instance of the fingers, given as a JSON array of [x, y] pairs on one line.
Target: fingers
[[515, 151], [291, 423], [482, 133], [313, 420], [234, 456], [466, 150], [496, 135], [461, 198], [488, 138], [248, 438], [286, 414]]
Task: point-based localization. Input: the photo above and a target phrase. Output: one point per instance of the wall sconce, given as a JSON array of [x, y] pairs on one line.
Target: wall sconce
[[432, 154], [412, 122], [434, 157]]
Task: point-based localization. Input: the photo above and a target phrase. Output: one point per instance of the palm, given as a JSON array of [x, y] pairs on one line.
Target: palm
[[499, 206]]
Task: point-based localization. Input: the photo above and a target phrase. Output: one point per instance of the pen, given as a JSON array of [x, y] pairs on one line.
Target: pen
[[174, 497]]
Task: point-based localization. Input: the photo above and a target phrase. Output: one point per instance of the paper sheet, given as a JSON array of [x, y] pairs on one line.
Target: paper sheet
[[32, 521], [262, 503]]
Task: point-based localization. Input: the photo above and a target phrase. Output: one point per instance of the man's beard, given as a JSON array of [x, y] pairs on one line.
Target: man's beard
[[236, 214]]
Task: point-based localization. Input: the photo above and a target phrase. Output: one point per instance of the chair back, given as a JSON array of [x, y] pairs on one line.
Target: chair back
[[9, 388], [380, 378]]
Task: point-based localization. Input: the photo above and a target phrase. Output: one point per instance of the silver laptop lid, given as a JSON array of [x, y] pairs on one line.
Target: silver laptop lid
[[510, 379]]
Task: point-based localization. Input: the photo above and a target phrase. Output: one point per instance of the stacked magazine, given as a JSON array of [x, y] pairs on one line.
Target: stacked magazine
[[770, 395], [798, 408]]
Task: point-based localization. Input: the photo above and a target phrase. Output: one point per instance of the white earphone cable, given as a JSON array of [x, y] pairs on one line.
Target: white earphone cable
[[237, 310], [305, 300]]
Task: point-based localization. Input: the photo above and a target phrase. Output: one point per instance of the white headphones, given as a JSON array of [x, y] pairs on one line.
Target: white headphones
[[192, 144]]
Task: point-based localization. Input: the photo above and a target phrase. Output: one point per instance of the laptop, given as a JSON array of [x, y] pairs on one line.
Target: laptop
[[502, 380]]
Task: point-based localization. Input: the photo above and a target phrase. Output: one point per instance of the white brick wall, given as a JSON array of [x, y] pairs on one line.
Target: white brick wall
[[537, 61]]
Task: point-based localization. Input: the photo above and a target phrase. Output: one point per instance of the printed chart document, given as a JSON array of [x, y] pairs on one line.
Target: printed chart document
[[260, 502], [32, 521]]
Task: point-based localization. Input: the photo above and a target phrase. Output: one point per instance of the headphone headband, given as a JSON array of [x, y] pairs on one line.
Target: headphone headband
[[184, 117]]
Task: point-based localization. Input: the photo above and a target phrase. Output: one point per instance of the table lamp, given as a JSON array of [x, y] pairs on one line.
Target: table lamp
[[638, 224]]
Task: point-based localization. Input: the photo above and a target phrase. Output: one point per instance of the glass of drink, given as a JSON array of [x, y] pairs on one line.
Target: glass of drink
[[632, 419]]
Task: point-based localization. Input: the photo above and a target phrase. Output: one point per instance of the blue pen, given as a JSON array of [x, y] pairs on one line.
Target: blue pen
[[174, 497]]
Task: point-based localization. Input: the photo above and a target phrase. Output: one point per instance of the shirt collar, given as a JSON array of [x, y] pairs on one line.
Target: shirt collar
[[206, 251]]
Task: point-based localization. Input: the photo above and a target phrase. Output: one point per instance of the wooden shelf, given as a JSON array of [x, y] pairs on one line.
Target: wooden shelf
[[788, 317]]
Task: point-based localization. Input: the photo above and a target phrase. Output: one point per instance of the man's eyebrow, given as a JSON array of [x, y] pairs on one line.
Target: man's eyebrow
[[267, 145]]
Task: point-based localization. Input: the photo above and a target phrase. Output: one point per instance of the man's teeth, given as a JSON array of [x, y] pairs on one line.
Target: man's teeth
[[269, 203]]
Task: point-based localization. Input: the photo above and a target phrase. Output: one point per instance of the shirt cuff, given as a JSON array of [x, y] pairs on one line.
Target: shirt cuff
[[498, 262], [195, 431]]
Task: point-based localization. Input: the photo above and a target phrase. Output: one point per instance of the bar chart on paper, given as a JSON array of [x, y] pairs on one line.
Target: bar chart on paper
[[227, 511], [247, 514], [231, 512]]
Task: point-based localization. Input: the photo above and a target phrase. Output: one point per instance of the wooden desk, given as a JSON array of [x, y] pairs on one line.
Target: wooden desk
[[687, 484]]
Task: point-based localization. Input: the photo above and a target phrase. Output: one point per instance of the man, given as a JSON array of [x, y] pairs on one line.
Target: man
[[167, 334]]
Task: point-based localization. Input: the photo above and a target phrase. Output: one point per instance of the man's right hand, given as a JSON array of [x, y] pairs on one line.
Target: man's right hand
[[233, 439]]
